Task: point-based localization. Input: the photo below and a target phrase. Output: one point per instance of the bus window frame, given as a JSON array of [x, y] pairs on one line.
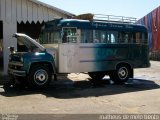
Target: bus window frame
[[108, 36], [62, 33], [86, 41]]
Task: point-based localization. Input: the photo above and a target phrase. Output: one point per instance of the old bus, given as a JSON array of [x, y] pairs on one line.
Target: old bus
[[96, 47]]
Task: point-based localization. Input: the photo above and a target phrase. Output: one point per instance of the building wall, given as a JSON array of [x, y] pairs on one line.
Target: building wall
[[8, 30]]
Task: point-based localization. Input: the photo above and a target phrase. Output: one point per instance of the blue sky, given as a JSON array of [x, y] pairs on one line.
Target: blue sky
[[128, 8]]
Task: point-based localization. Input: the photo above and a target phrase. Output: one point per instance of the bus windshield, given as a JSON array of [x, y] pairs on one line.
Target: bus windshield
[[51, 37]]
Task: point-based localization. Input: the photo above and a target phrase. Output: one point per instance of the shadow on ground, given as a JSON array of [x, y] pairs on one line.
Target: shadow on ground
[[68, 89]]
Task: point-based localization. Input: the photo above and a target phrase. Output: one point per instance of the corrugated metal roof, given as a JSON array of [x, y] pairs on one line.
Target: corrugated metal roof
[[12, 11], [52, 7]]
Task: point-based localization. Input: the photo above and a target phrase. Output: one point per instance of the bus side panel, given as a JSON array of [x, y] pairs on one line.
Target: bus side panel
[[145, 54], [99, 57], [91, 57], [94, 59], [68, 58], [53, 50], [102, 57], [140, 55]]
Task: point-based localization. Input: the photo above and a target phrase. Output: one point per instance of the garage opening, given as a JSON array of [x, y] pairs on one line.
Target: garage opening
[[1, 46], [31, 29]]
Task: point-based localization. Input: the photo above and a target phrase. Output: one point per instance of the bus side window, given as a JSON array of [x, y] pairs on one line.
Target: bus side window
[[124, 37], [144, 38], [112, 37], [120, 37], [133, 37], [49, 37], [86, 36], [138, 37], [103, 37], [100, 36], [96, 37]]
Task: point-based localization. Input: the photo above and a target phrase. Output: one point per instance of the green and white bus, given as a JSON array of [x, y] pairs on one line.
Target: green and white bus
[[98, 47]]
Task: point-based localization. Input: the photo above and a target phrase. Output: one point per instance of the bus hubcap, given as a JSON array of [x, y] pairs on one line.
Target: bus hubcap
[[123, 72], [41, 76]]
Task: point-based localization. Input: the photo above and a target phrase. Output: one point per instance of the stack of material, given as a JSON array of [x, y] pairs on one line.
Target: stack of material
[[87, 16]]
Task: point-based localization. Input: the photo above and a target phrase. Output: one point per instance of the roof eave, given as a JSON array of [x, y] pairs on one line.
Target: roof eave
[[54, 8]]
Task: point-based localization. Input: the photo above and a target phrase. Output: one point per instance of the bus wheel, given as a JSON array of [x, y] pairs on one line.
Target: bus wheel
[[39, 76], [96, 76], [111, 75], [121, 74], [20, 82]]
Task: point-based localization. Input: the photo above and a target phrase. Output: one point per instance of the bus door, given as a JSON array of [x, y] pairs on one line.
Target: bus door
[[68, 50]]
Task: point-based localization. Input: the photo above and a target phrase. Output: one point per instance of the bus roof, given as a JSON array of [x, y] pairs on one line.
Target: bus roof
[[98, 25]]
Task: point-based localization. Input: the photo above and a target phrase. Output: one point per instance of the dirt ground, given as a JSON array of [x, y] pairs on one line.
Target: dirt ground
[[75, 94]]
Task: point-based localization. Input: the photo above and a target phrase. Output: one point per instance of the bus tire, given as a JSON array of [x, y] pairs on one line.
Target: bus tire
[[121, 74], [39, 76], [111, 75], [21, 82], [96, 76], [10, 82]]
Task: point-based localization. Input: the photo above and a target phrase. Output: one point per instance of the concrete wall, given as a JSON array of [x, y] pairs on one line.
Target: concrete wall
[[8, 30]]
